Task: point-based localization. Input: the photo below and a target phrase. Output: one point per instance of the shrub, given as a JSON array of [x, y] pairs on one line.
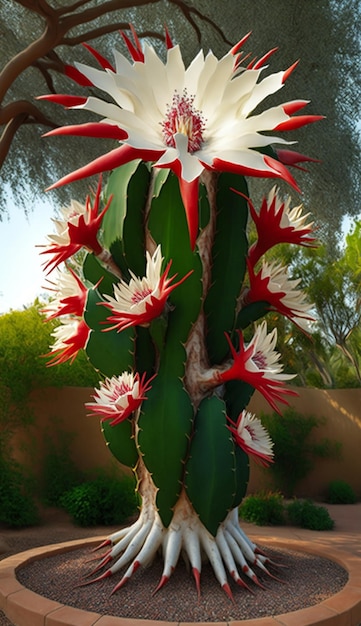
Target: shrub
[[340, 492], [263, 509], [17, 505], [103, 501], [59, 472], [306, 514], [294, 453]]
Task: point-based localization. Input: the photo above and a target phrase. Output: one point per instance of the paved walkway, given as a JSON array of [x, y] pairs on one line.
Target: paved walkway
[[346, 535]]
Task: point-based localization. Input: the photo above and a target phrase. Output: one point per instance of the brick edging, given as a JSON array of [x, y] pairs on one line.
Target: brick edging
[[24, 607]]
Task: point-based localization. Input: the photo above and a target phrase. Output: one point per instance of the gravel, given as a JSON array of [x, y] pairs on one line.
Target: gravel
[[308, 581]]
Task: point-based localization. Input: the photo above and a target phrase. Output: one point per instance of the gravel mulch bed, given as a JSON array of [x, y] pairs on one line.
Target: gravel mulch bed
[[309, 580]]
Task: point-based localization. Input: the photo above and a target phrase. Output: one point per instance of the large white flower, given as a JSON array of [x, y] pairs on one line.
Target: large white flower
[[273, 285], [187, 119], [78, 228], [250, 434], [277, 223], [142, 299], [71, 336], [118, 397], [258, 365], [70, 295]]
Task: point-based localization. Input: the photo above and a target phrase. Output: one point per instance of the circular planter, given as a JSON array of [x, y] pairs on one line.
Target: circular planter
[[24, 607]]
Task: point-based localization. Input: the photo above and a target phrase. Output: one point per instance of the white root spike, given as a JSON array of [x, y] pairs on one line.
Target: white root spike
[[246, 568], [152, 543], [246, 549], [192, 547], [229, 553], [227, 556], [172, 548], [123, 543], [133, 548], [210, 547]]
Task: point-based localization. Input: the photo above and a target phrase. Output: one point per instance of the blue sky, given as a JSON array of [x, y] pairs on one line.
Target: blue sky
[[21, 275]]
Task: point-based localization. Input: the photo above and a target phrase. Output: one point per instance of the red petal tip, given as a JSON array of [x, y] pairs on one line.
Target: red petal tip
[[242, 41], [265, 58], [103, 62], [168, 41], [289, 71], [77, 76]]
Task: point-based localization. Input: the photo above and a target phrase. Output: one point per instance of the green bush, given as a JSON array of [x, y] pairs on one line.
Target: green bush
[[17, 505], [103, 501], [264, 509], [340, 492], [294, 453], [306, 514], [59, 472]]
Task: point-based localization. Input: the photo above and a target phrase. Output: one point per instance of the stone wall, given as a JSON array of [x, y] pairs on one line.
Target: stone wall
[[59, 411]]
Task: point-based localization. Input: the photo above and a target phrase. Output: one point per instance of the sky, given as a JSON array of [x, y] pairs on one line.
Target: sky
[[21, 276]]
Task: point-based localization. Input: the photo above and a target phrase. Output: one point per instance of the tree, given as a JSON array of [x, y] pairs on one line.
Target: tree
[[50, 29], [327, 75], [331, 280]]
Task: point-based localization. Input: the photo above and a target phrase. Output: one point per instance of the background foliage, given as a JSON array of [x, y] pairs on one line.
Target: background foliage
[[295, 447]]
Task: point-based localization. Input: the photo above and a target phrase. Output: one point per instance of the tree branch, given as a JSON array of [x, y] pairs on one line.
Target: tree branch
[[24, 59], [40, 7], [22, 107], [104, 30], [187, 11], [8, 135], [26, 114], [70, 21]]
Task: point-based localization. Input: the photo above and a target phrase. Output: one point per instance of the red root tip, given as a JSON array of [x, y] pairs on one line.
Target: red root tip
[[161, 584], [197, 578], [228, 591], [106, 574], [106, 542]]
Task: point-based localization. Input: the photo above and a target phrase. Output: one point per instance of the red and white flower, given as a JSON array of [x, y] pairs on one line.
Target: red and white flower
[[118, 397], [70, 298], [273, 285], [250, 435], [186, 119], [71, 336], [258, 365], [78, 228], [141, 300], [277, 223]]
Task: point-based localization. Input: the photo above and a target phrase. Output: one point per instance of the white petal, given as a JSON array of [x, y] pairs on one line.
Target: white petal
[[175, 70], [266, 87], [191, 168], [212, 84], [105, 109], [193, 72]]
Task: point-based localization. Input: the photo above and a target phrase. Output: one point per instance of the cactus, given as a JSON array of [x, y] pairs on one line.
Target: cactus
[[165, 295]]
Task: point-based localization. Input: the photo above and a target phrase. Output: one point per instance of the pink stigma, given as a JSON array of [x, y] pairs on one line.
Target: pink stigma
[[139, 296], [183, 117], [260, 360], [121, 390], [251, 432]]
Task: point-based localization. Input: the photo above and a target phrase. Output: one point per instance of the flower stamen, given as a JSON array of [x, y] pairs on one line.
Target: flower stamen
[[182, 117]]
